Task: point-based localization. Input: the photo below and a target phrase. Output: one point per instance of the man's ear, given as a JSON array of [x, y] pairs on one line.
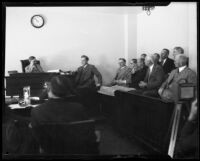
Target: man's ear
[[48, 88]]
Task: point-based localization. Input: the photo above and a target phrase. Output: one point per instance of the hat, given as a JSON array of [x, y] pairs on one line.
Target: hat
[[61, 86]]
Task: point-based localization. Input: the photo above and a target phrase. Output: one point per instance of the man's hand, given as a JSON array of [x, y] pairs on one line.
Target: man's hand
[[160, 91], [142, 84], [193, 111], [32, 63], [122, 81]]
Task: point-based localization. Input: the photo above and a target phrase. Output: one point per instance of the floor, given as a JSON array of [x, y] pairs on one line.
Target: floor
[[114, 144]]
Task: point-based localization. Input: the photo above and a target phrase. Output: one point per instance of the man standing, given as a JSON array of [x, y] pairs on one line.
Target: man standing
[[182, 74], [85, 84], [166, 62], [34, 66], [85, 75], [123, 75], [153, 79]]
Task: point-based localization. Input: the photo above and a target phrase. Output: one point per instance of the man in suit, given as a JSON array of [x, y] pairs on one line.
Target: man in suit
[[182, 74], [86, 88], [60, 107], [139, 74], [85, 75], [33, 67], [153, 79], [123, 74], [179, 50], [166, 62]]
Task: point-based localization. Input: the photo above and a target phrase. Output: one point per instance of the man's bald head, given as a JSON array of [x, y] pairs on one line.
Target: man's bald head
[[156, 58], [149, 60], [181, 60]]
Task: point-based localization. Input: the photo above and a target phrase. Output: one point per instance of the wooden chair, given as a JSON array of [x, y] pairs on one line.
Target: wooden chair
[[67, 138]]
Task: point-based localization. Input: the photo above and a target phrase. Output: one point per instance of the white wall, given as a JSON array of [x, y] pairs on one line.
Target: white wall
[[67, 34], [105, 36], [167, 27]]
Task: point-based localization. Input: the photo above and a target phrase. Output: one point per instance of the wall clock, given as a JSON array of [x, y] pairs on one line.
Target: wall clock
[[37, 21]]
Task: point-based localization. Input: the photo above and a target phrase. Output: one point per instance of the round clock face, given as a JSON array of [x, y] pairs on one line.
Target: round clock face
[[37, 21]]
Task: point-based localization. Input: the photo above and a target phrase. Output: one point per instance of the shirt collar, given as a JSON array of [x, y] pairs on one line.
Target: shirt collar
[[181, 68], [85, 65], [164, 60], [151, 67], [123, 67]]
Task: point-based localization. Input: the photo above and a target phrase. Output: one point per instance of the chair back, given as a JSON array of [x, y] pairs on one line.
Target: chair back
[[67, 138], [25, 63]]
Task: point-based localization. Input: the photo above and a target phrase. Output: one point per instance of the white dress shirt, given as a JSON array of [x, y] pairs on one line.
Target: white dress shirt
[[151, 68], [164, 61], [181, 68]]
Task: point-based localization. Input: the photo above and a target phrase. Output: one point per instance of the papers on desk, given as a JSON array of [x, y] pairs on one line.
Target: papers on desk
[[54, 71], [111, 90], [17, 106], [35, 98]]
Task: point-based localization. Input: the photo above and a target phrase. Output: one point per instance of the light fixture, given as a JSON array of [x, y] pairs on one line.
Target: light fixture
[[148, 9]]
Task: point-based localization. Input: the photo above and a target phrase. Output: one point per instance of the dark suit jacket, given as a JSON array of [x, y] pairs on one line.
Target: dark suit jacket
[[138, 76], [187, 144], [156, 77], [57, 111], [168, 66], [85, 77]]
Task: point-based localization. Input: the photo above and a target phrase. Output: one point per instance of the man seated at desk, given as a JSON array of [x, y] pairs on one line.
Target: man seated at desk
[[153, 79], [123, 75], [33, 67]]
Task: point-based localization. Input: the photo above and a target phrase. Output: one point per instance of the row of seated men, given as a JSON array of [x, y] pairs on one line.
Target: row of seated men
[[154, 75]]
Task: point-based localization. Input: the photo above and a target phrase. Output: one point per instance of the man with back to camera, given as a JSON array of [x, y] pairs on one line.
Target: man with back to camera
[[182, 74], [33, 67], [166, 62], [60, 107], [123, 74]]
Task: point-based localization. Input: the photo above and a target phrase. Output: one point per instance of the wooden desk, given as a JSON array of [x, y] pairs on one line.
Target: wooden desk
[[147, 119], [16, 82]]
